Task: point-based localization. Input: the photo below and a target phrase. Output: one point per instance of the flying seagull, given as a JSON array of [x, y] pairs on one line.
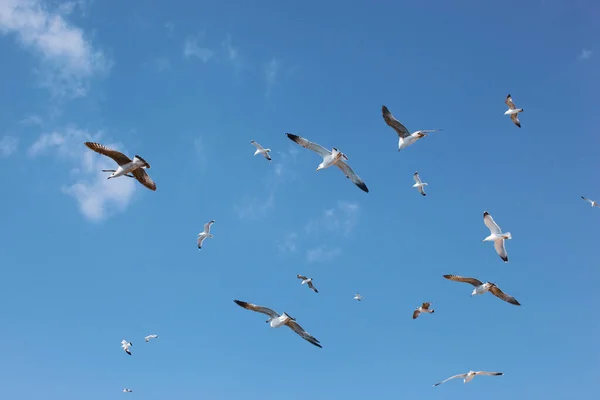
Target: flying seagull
[[419, 185], [357, 296], [126, 345], [405, 138], [130, 168], [592, 202], [147, 338], [481, 288], [308, 281], [333, 157], [496, 236], [205, 234], [276, 320], [513, 111], [261, 150], [468, 377], [423, 309], [127, 390]]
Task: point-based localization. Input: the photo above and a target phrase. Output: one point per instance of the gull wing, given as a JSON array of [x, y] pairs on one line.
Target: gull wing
[[200, 240], [489, 373], [452, 377], [351, 175], [456, 278], [144, 178], [301, 277], [515, 119], [258, 146], [416, 313], [310, 285], [501, 250], [425, 306], [416, 178], [317, 148], [490, 223], [394, 123], [586, 199], [208, 225], [254, 307], [503, 296], [509, 102], [422, 191], [305, 335], [117, 156]]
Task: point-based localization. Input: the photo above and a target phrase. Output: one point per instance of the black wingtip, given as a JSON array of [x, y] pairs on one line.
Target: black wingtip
[[240, 303], [363, 187], [504, 259], [508, 95], [485, 213], [292, 136]]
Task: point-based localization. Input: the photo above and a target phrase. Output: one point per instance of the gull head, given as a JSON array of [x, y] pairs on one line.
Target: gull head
[[320, 167]]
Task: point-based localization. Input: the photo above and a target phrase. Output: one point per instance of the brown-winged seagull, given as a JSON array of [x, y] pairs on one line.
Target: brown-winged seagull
[[333, 157], [307, 281], [481, 288], [405, 138], [513, 111], [592, 202], [130, 168], [205, 234], [275, 320], [468, 377], [496, 236], [419, 184], [424, 308], [261, 150]]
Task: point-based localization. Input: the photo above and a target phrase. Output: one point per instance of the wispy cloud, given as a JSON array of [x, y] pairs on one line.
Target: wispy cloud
[[97, 197], [160, 64], [233, 54], [31, 120], [322, 254], [585, 54], [289, 242], [271, 71], [255, 207], [342, 218], [8, 145], [68, 58], [170, 27], [192, 49]]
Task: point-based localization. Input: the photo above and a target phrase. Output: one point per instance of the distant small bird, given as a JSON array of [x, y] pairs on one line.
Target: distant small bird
[[419, 185], [513, 111], [126, 345], [468, 377], [147, 338], [261, 150], [496, 236], [130, 168], [127, 390], [308, 281], [481, 288], [357, 296], [205, 234], [275, 321], [423, 309], [333, 157], [405, 138], [592, 202]]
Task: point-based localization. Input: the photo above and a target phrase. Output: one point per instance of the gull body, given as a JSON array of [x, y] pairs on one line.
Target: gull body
[[330, 158], [513, 111], [405, 138], [468, 377], [126, 345], [127, 390], [496, 236], [307, 281], [357, 296], [592, 202], [205, 234], [482, 287], [419, 184], [261, 150], [424, 308], [147, 338]]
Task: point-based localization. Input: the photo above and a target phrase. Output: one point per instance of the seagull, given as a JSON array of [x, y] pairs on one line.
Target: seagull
[[147, 338], [130, 168], [127, 390], [276, 320], [309, 281], [496, 236], [126, 345], [592, 202], [513, 111], [357, 296], [405, 138], [205, 234], [423, 309], [261, 150], [468, 377], [333, 157], [419, 185], [481, 288]]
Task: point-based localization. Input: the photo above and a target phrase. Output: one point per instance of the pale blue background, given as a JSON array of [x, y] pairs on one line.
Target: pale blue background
[[75, 282]]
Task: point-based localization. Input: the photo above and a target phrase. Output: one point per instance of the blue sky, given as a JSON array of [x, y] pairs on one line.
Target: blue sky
[[88, 262]]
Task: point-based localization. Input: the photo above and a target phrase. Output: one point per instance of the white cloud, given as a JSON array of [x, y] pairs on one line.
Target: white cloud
[[97, 197], [170, 27], [322, 254], [31, 120], [160, 64], [585, 54], [191, 48], [289, 242], [8, 145], [255, 208], [342, 218], [271, 71], [69, 59]]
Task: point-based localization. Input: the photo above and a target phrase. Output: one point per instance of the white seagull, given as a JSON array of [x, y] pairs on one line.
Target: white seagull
[[468, 377], [333, 157], [419, 185], [147, 338], [127, 390], [130, 168], [357, 296], [261, 150], [308, 281], [126, 345], [592, 202], [205, 234], [405, 138], [496, 236], [424, 308], [275, 321], [513, 111], [481, 288]]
